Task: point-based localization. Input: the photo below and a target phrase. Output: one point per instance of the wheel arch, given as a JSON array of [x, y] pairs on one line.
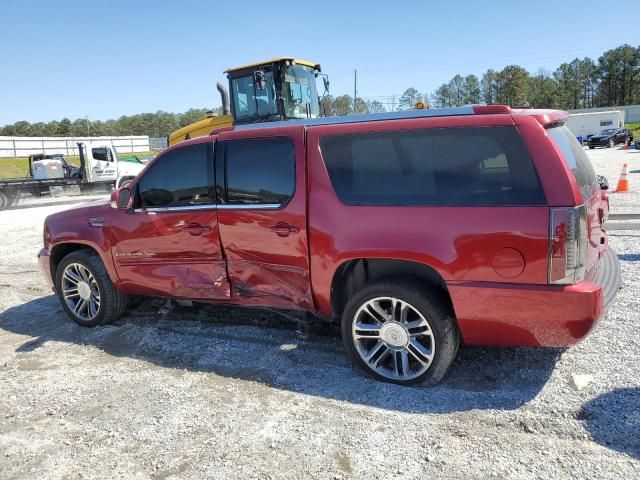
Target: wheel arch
[[61, 250], [351, 275]]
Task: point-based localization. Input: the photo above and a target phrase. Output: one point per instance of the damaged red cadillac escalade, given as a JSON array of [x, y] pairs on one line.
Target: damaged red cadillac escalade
[[417, 230]]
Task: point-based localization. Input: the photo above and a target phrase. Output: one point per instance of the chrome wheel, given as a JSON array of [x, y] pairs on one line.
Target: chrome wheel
[[80, 291], [393, 338]]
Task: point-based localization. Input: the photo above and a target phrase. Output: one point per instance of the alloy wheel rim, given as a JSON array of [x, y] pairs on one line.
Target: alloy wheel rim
[[80, 291], [393, 338]]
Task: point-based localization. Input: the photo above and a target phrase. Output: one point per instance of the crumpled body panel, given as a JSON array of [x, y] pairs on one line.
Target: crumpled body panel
[[270, 285]]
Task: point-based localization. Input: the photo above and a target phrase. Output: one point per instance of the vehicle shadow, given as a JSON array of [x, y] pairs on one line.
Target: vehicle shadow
[[620, 407], [261, 346]]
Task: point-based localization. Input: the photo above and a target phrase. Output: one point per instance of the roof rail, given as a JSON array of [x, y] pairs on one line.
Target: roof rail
[[372, 117]]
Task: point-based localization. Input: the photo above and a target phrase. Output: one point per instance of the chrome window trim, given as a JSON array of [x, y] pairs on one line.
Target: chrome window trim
[[251, 206], [187, 208]]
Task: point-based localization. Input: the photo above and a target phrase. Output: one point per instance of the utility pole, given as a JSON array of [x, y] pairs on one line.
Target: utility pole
[[355, 90]]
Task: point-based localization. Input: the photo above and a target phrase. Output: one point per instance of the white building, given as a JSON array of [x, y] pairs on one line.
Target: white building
[[591, 123]]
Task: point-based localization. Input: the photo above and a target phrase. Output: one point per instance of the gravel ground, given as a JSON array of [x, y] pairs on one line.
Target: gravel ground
[[228, 393]]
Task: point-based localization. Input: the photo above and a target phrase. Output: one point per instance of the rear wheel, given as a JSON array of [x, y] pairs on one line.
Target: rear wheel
[[86, 291], [4, 201], [399, 333], [591, 147], [612, 143], [12, 198]]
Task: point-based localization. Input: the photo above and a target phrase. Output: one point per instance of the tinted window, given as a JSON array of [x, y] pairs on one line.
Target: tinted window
[[101, 153], [455, 166], [577, 160], [177, 178], [259, 171]]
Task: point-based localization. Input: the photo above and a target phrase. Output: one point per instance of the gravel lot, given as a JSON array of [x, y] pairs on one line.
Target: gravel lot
[[226, 393]]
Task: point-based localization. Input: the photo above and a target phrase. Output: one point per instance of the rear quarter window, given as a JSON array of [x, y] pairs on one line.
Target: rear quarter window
[[577, 160], [466, 166]]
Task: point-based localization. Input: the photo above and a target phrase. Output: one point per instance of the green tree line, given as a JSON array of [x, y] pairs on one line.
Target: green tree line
[[158, 124], [612, 80]]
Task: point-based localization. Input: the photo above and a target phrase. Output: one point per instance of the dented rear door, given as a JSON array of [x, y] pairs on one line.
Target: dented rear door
[[261, 181]]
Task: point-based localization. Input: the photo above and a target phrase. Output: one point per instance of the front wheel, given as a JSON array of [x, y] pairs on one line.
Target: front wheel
[[399, 333], [612, 143], [86, 291]]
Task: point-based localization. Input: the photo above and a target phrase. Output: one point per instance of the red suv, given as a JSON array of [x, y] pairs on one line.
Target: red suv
[[416, 230]]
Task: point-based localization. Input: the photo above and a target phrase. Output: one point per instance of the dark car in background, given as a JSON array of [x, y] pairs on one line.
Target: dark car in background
[[610, 137]]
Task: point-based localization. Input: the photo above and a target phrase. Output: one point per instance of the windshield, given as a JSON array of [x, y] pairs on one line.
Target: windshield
[[251, 102], [300, 93], [608, 131]]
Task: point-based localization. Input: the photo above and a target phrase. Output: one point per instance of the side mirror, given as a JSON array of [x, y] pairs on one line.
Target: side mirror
[[604, 183], [122, 199]]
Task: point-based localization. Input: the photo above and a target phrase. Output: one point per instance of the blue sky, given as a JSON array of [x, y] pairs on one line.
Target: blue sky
[[103, 59]]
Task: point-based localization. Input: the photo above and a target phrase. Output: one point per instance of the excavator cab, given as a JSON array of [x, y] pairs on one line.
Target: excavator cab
[[277, 89]]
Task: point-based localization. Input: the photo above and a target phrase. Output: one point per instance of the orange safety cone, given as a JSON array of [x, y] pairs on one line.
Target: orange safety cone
[[623, 183]]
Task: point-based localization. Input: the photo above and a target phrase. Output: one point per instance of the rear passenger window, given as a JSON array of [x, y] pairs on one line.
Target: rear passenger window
[[177, 179], [577, 160], [455, 166], [259, 171]]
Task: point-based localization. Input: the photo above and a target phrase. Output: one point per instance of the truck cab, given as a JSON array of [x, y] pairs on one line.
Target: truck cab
[[102, 165]]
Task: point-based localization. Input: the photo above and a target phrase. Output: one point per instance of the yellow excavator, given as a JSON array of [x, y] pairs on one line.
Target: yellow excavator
[[278, 89]]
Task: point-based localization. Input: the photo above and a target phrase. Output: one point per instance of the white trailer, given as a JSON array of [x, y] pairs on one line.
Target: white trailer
[[584, 125]]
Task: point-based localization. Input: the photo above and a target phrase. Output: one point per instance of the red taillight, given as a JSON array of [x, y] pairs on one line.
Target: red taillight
[[568, 243]]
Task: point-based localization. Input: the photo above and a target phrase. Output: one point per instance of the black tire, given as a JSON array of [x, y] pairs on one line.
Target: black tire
[[430, 304], [611, 143], [591, 148], [12, 199], [112, 303], [4, 201]]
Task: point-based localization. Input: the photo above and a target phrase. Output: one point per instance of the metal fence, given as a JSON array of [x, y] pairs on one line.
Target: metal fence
[[11, 147], [161, 142]]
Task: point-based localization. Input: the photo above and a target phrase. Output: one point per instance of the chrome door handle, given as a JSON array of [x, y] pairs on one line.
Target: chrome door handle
[[196, 229], [283, 229]]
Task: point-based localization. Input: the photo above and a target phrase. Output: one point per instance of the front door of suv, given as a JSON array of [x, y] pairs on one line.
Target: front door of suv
[[169, 245], [262, 215]]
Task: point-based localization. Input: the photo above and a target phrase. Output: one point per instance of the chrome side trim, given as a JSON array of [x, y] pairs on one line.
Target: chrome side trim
[[253, 206], [185, 208]]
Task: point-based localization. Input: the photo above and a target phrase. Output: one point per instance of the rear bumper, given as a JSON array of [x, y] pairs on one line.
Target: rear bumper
[[45, 266], [534, 315]]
